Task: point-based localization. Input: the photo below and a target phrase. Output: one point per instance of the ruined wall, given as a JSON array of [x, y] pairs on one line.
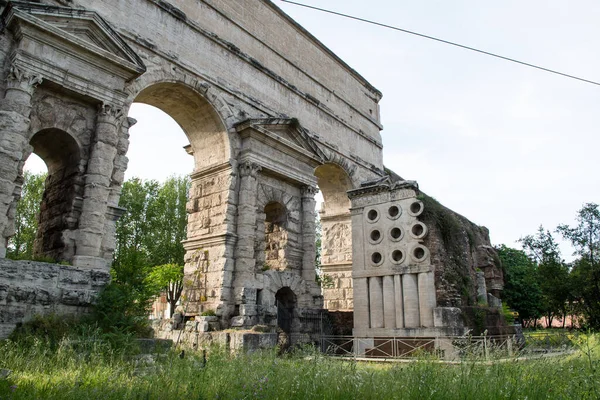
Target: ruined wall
[[459, 250], [28, 288]]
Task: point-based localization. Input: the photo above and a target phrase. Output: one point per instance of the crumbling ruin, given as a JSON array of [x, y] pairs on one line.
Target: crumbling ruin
[[271, 115]]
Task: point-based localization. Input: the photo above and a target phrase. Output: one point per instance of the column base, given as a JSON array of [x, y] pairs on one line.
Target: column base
[[90, 262]]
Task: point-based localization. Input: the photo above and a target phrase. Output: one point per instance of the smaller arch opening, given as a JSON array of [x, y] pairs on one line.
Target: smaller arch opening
[[285, 299], [276, 236]]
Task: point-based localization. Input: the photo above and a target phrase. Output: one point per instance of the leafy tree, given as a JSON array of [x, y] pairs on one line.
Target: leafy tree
[[168, 279], [585, 237], [20, 246], [553, 273], [542, 248], [150, 234], [522, 291], [168, 221]]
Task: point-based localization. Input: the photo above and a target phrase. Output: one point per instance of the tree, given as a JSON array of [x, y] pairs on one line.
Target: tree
[[168, 279], [553, 273], [149, 234], [522, 291], [168, 222], [20, 246], [585, 237]]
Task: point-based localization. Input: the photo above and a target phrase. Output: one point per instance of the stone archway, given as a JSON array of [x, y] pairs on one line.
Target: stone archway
[[336, 241], [285, 300], [212, 188], [61, 201]]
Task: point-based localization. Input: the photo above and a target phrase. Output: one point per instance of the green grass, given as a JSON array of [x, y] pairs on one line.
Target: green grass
[[95, 370]]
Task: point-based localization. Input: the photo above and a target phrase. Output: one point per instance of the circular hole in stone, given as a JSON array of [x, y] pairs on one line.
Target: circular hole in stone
[[396, 233], [394, 211], [417, 230], [376, 258], [375, 235], [397, 255], [419, 253], [372, 215], [416, 207]]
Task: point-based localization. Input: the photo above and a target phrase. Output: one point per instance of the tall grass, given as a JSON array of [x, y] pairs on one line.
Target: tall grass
[[95, 370]]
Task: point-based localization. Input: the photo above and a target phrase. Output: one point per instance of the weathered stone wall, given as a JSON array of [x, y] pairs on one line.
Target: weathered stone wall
[[28, 288], [260, 73], [338, 294]]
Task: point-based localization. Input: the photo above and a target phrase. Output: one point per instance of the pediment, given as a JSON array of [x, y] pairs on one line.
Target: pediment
[[84, 29], [286, 131]]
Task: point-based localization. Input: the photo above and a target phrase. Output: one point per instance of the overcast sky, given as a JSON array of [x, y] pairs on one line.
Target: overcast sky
[[507, 146]]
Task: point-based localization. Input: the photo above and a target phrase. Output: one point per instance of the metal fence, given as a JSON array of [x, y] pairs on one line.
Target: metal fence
[[442, 348]]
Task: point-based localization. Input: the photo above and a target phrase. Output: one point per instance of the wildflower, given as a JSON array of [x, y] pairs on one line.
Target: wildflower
[[13, 388]]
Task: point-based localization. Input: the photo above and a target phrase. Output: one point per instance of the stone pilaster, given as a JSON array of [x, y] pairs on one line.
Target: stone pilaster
[[15, 110], [308, 232], [97, 188], [114, 212], [246, 223]]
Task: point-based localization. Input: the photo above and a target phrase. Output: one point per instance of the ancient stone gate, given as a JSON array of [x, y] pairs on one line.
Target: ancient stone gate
[[270, 113]]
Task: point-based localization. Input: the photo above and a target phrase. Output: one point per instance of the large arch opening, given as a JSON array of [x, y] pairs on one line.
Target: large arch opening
[[197, 118], [49, 205], [276, 236], [205, 139], [336, 237], [60, 206]]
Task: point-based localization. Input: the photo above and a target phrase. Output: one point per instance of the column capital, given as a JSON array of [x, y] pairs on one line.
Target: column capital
[[309, 191], [109, 113], [22, 79], [248, 168]]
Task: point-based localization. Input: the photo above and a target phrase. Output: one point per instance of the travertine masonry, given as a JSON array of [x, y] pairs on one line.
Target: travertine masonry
[[28, 288], [271, 115]]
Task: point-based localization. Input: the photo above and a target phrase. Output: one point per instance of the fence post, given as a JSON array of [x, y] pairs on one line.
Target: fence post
[[486, 353]]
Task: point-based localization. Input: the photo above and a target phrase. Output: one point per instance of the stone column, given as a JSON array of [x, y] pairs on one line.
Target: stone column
[[97, 188], [399, 301], [15, 110], [361, 305], [376, 301], [308, 232], [426, 298], [389, 302], [114, 212], [246, 222], [410, 292]]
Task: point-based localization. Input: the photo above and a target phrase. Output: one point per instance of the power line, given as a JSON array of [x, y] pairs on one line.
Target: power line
[[442, 41]]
